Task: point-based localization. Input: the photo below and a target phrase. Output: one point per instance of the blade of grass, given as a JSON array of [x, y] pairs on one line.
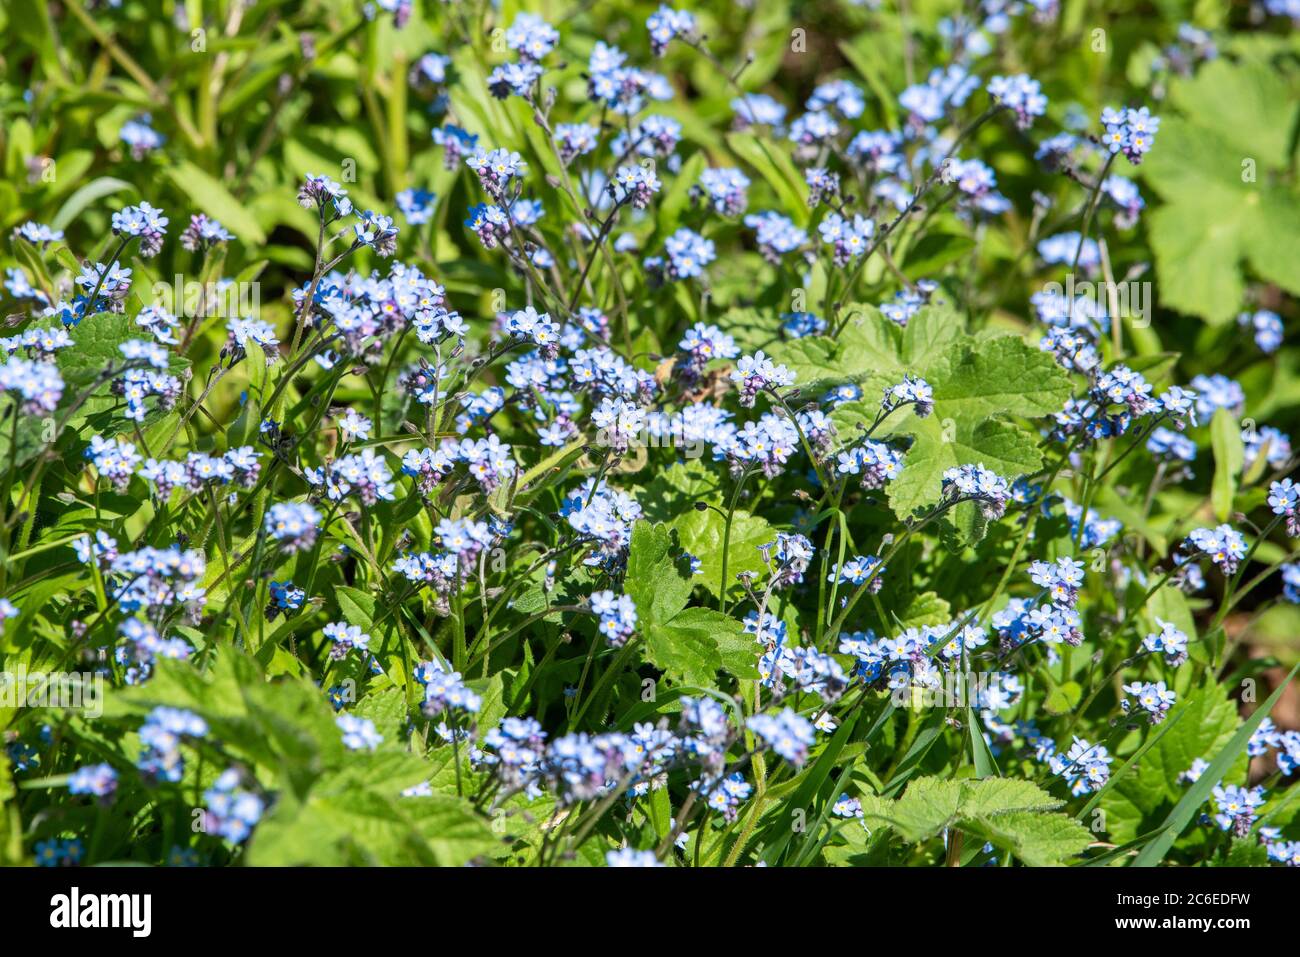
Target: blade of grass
[[981, 757], [929, 733], [816, 777], [1196, 795]]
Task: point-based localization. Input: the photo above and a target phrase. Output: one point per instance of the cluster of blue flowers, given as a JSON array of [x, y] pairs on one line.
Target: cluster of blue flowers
[[1118, 396], [989, 490], [1151, 697], [1053, 622], [1168, 641], [144, 223], [365, 475], [199, 471], [617, 616], [1222, 545], [140, 648], [38, 385], [686, 254], [230, 810], [58, 852], [1130, 131], [581, 767], [203, 233], [140, 136], [1085, 766], [1022, 95], [294, 525], [788, 734], [99, 780], [359, 734], [604, 516], [445, 691], [161, 735]]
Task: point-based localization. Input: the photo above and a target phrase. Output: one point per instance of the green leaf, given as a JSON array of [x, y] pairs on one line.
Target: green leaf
[[926, 608], [1246, 853], [1004, 447], [30, 21], [1210, 720], [75, 204], [777, 170], [737, 648], [1198, 248], [256, 365], [1118, 775], [675, 490], [688, 644], [6, 780], [931, 731], [11, 836], [977, 383], [362, 826], [981, 757], [212, 197], [999, 376], [777, 835], [868, 347], [357, 606], [661, 812], [1039, 840], [656, 580], [1013, 814], [286, 729], [1169, 603], [927, 807], [676, 198], [933, 252], [1063, 698], [387, 709], [1246, 102], [930, 804], [1216, 167], [1229, 455], [1004, 796], [686, 648], [928, 335], [702, 532]]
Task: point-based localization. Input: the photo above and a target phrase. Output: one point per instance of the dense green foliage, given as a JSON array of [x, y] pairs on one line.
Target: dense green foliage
[[337, 372]]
